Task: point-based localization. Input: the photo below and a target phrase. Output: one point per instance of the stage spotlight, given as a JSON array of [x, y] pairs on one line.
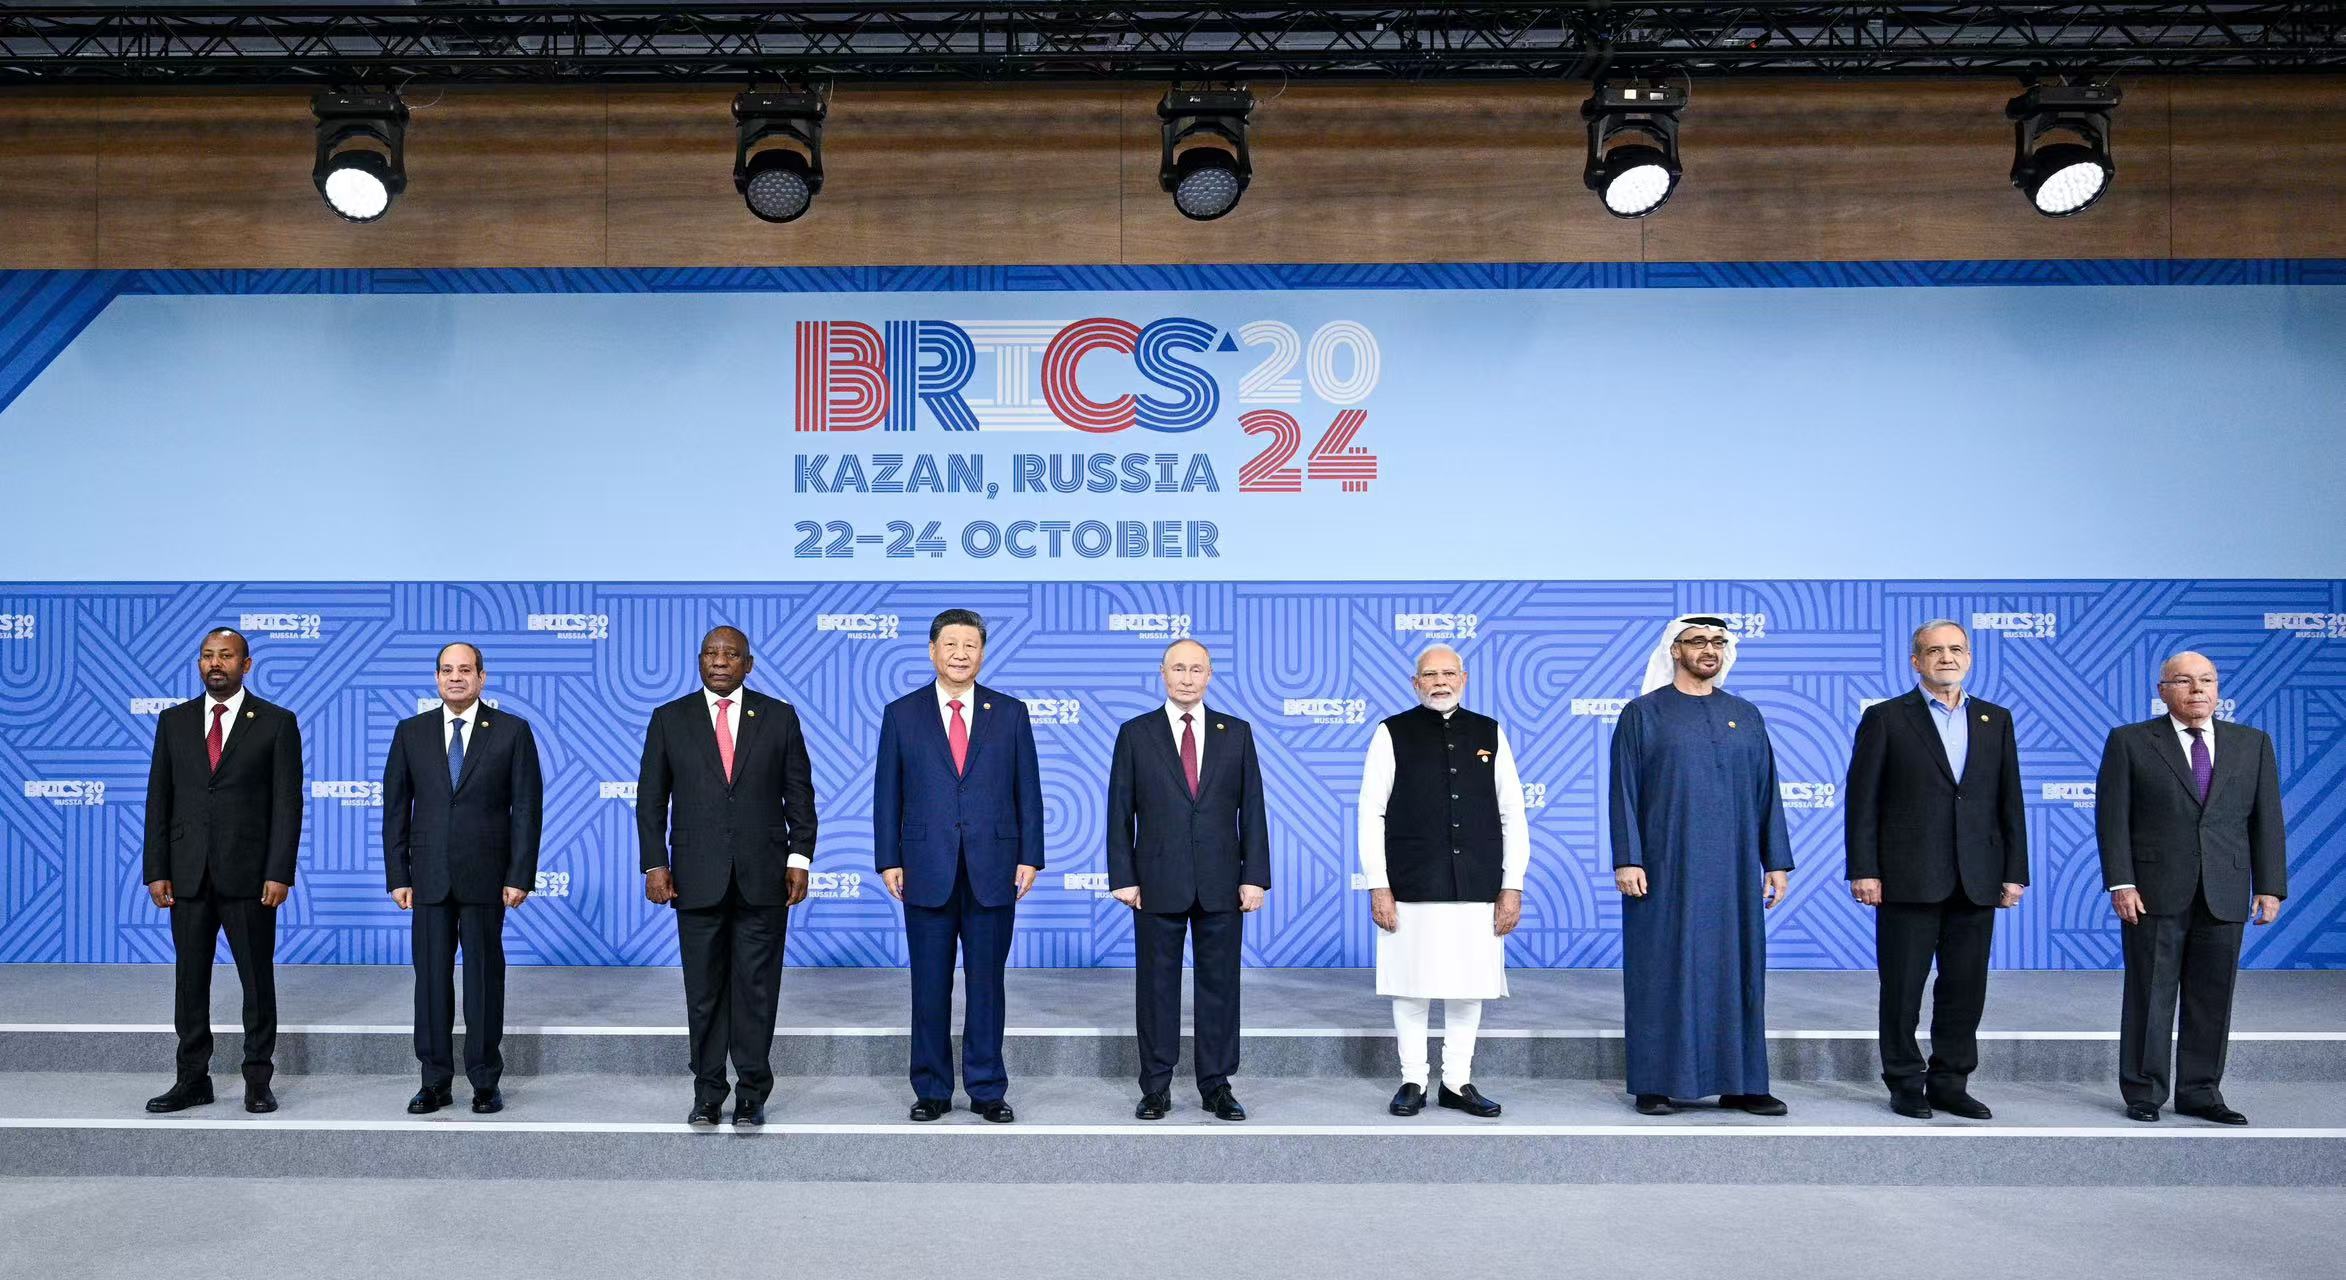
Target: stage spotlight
[[780, 182], [2062, 179], [1632, 145], [1205, 179], [360, 165]]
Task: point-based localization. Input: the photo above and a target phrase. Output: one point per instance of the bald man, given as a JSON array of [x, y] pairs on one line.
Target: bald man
[[1189, 850], [2188, 812], [725, 811]]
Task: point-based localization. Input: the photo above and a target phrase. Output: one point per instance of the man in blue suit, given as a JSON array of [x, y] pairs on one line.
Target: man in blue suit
[[1189, 850], [957, 824]]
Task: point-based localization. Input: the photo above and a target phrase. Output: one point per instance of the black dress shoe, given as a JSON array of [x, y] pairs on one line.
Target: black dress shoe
[[1408, 1100], [747, 1113], [2214, 1111], [927, 1109], [1962, 1104], [1469, 1100], [181, 1096], [1913, 1106], [1223, 1105], [429, 1099], [258, 1099], [1656, 1104], [995, 1112], [487, 1102], [705, 1115], [1153, 1106], [1754, 1104], [2142, 1111]]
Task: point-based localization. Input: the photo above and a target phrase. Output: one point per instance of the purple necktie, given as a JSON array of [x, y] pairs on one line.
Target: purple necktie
[[1189, 761], [2202, 767]]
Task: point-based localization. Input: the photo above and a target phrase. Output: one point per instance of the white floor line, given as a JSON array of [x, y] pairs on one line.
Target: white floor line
[[784, 1130], [1100, 1033]]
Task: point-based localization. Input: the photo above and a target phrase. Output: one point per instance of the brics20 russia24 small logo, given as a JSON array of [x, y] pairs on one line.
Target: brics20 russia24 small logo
[[2018, 626], [282, 625], [1152, 626], [1808, 795], [67, 793], [861, 626], [353, 795], [16, 626], [551, 884], [1062, 711], [573, 626], [1438, 626], [1327, 710], [2312, 626]]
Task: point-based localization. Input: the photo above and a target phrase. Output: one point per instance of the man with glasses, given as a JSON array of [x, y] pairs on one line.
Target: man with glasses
[[1696, 821], [2188, 811], [1937, 840]]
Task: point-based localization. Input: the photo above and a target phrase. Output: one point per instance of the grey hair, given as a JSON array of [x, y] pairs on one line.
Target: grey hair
[[1432, 649], [1201, 648], [1933, 625]]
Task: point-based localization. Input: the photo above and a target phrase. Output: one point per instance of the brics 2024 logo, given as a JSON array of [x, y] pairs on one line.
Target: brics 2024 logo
[[2018, 626], [1059, 711], [861, 626], [573, 626], [1437, 626], [2312, 626], [1327, 710], [67, 793], [282, 625], [16, 626], [1151, 626]]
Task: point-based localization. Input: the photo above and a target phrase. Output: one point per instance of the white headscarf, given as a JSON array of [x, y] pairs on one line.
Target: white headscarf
[[1661, 668]]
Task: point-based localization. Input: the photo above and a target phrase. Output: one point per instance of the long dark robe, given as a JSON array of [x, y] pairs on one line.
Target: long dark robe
[[1695, 804]]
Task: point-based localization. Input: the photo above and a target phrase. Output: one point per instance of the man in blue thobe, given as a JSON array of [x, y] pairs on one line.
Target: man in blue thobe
[[1696, 819]]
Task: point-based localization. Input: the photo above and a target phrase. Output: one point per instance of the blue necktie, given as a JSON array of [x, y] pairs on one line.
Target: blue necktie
[[455, 752]]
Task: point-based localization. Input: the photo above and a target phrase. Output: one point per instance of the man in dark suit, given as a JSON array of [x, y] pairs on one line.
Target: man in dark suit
[[1937, 840], [957, 824], [2188, 812], [1189, 850], [732, 858], [223, 834], [462, 799]]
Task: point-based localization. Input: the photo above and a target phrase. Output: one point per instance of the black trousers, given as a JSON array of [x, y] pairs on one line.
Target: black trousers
[[197, 921], [732, 955], [2194, 957], [1908, 936], [436, 931], [1156, 973]]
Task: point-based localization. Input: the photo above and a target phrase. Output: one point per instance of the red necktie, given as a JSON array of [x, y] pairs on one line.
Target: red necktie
[[725, 738], [1189, 755], [958, 735], [212, 739]]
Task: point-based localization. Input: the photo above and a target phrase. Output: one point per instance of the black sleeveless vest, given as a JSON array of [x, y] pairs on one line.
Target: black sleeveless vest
[[1442, 837]]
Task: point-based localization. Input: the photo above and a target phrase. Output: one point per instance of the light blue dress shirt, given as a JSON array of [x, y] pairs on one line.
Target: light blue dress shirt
[[1954, 733]]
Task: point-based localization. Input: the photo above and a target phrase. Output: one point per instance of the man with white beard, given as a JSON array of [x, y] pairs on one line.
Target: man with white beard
[[1444, 849]]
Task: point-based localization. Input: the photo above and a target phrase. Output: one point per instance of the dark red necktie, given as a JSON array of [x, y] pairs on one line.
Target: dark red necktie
[[212, 740], [1189, 754]]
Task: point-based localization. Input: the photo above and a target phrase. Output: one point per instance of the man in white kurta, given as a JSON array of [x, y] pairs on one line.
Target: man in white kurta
[[1443, 848]]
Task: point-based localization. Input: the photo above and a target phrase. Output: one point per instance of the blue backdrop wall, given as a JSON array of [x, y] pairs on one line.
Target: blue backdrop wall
[[583, 471]]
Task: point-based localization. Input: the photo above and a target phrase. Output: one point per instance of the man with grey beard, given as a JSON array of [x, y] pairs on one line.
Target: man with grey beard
[[1444, 849]]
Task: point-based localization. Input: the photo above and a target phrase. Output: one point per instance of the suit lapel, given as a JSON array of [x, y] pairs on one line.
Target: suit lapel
[[703, 728], [2227, 746], [246, 717], [2170, 749], [474, 747], [745, 731], [930, 715], [1979, 736], [979, 707], [1914, 707], [1209, 762]]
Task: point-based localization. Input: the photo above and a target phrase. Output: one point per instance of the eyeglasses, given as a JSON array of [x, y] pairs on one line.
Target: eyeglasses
[[2189, 682], [1704, 642]]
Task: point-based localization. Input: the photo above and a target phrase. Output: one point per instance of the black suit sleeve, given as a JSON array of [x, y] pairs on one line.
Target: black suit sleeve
[[1861, 797], [1254, 829], [1123, 869], [798, 788], [285, 802], [2112, 815], [2012, 811], [398, 797], [2268, 849], [158, 842], [652, 783], [528, 813]]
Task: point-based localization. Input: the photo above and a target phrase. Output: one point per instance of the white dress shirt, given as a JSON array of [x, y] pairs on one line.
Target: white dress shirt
[[2183, 740], [1376, 787], [235, 705], [798, 861], [1197, 724], [968, 703], [448, 719]]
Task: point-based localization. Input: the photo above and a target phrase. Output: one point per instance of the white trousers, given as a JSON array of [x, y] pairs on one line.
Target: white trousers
[[1460, 1020]]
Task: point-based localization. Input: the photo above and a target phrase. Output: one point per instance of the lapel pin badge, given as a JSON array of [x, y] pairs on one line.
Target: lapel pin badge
[[985, 706], [751, 712], [248, 715], [1983, 719], [1483, 752], [1219, 725], [1730, 724]]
